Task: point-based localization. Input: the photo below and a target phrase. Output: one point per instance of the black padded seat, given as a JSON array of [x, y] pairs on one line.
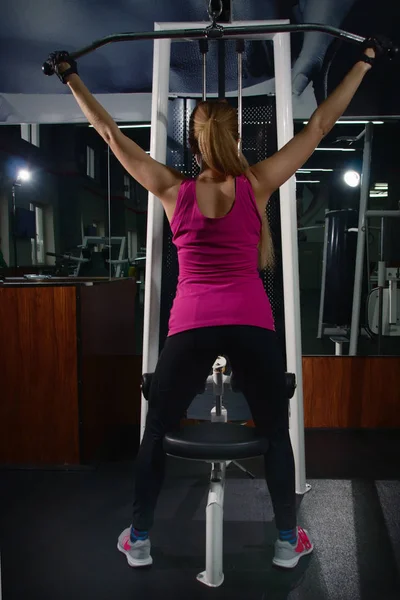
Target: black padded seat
[[215, 442]]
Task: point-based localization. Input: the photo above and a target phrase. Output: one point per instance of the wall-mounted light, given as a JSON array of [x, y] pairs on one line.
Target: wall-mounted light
[[23, 175], [352, 178]]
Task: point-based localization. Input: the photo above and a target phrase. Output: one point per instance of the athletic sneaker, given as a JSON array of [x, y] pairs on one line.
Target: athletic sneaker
[[287, 555], [138, 553]]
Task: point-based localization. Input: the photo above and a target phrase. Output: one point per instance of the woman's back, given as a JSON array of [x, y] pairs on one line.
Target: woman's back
[[216, 230]]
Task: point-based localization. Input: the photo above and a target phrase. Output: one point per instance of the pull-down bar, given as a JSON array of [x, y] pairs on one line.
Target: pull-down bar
[[212, 32]]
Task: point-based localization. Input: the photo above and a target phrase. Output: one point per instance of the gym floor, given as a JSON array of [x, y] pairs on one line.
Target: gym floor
[[59, 529]]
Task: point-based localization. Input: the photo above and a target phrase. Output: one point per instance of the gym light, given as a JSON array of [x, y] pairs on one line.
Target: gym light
[[354, 122], [23, 175], [136, 126], [312, 170], [307, 181], [352, 178], [336, 149]]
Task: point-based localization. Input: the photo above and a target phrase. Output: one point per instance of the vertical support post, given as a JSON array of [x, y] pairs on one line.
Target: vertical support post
[[155, 214], [323, 282], [290, 257], [213, 576], [221, 69], [358, 275], [381, 287], [203, 45], [240, 50], [109, 215], [14, 219]]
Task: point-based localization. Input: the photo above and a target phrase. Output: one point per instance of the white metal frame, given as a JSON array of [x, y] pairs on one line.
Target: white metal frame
[[158, 150]]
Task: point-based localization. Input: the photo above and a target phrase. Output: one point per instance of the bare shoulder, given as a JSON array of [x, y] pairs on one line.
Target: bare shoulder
[[261, 196], [170, 197]]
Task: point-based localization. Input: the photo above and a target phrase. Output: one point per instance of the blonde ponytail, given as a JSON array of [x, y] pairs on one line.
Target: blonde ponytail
[[219, 149], [213, 133]]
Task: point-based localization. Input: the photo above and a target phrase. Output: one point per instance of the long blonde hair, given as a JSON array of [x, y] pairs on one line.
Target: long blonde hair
[[213, 134]]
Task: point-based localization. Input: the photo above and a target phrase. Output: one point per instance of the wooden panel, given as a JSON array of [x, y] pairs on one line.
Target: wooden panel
[[111, 401], [351, 392], [38, 358], [110, 371], [108, 318]]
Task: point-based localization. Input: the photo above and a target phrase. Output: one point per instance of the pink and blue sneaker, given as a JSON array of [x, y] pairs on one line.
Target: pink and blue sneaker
[[287, 555], [137, 552]]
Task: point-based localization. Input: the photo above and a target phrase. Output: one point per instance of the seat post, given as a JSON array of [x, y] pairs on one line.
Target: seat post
[[213, 576], [219, 413]]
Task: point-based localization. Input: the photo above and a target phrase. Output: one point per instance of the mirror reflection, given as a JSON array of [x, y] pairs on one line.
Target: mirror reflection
[[343, 301], [69, 209]]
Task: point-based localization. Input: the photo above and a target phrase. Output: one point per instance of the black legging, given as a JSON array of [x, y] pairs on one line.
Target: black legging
[[182, 369]]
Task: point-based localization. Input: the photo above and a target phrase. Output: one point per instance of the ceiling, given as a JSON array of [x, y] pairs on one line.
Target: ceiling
[[31, 29]]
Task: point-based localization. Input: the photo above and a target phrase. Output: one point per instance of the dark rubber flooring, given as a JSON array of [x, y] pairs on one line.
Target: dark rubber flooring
[[58, 529]]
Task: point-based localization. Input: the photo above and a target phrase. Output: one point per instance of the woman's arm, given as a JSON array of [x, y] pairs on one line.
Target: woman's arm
[[268, 175], [158, 179]]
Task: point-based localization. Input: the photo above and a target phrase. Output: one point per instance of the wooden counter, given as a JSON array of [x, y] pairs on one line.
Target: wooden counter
[[351, 391], [70, 380]]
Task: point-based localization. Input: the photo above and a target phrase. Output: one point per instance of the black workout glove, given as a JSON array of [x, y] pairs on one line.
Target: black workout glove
[[54, 61], [383, 47]]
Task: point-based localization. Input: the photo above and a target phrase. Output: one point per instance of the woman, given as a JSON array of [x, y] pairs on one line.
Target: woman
[[220, 305]]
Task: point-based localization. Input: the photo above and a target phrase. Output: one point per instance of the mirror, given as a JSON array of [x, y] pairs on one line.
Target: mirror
[[53, 199], [126, 253], [328, 200], [68, 208]]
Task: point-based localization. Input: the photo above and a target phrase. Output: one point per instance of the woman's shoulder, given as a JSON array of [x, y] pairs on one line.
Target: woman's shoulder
[[249, 178]]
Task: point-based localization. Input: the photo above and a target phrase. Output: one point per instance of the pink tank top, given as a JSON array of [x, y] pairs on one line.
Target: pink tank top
[[219, 282]]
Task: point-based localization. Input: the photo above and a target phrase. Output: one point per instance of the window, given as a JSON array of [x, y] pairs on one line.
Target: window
[[90, 162], [30, 133], [132, 244], [127, 186], [38, 249]]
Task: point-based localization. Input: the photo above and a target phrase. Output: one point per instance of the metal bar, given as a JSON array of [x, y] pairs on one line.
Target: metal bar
[[155, 215], [204, 50], [204, 77], [382, 213], [14, 213], [368, 253], [240, 50], [323, 282], [392, 302], [381, 286], [382, 238], [310, 227], [221, 69], [213, 576], [109, 211], [358, 275], [290, 258], [185, 35]]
